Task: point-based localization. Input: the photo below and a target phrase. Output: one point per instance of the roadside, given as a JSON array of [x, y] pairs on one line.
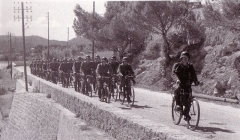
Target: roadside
[[7, 89], [207, 98]]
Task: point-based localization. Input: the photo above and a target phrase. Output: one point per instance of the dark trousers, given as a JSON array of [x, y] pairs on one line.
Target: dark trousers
[[185, 98]]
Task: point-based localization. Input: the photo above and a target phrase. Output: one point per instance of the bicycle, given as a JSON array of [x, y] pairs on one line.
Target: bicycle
[[194, 110], [115, 87], [128, 91], [88, 87], [105, 94]]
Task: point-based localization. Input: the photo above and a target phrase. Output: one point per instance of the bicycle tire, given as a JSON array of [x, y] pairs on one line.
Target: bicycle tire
[[176, 115], [115, 92], [194, 113], [108, 95], [91, 90], [123, 96], [132, 97]]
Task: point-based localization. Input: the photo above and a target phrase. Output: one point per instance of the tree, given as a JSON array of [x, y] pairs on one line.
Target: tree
[[161, 17], [228, 17]]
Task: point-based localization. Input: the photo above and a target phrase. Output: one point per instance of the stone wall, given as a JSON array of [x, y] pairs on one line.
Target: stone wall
[[35, 117]]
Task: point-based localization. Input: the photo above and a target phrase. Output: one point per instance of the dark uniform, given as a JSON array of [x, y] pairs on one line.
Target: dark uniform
[[103, 70], [186, 75], [76, 71], [87, 69], [54, 66], [44, 69], [125, 70], [64, 68]]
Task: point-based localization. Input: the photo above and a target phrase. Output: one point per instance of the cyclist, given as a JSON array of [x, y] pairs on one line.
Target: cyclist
[[87, 69], [31, 66], [114, 66], [64, 72], [44, 68], [124, 70], [184, 74], [76, 71], [95, 64], [53, 66], [103, 69]]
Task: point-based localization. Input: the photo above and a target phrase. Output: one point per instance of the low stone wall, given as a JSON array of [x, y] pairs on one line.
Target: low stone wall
[[35, 117], [115, 121]]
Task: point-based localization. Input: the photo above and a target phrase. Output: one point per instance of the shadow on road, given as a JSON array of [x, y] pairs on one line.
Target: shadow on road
[[142, 107], [213, 129]]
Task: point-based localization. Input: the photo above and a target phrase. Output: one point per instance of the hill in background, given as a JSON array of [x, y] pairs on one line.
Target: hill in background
[[34, 41]]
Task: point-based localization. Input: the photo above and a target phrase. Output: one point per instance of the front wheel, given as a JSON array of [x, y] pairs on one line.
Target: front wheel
[[132, 96], [176, 115], [194, 113], [115, 92]]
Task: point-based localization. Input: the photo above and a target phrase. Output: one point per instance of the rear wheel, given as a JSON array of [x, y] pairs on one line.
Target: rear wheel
[[176, 115], [194, 113]]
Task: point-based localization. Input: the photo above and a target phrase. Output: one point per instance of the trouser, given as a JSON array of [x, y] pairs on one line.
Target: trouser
[[100, 82], [77, 82], [185, 98], [125, 87]]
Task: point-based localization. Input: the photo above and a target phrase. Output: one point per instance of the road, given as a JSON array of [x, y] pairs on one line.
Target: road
[[217, 122]]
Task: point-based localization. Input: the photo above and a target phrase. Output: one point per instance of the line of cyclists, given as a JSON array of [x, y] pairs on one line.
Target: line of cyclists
[[106, 77]]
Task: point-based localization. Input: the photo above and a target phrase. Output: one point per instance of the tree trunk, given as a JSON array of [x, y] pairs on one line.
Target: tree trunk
[[166, 49]]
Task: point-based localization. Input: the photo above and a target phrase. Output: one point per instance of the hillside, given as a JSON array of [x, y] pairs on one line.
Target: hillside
[[34, 41], [217, 63]]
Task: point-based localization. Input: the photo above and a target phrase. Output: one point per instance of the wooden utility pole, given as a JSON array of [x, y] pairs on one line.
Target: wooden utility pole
[[48, 37], [8, 36], [93, 31], [24, 48], [10, 55], [28, 9], [68, 37]]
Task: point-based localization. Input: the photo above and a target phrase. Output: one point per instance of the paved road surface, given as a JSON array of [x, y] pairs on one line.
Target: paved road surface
[[217, 122]]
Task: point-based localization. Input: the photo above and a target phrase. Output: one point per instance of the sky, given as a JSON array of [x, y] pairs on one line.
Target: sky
[[61, 17]]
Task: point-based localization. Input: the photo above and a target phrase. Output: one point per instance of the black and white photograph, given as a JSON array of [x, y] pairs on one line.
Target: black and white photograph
[[119, 70]]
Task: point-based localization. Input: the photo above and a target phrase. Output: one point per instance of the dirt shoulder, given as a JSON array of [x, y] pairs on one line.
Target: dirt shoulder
[[7, 89]]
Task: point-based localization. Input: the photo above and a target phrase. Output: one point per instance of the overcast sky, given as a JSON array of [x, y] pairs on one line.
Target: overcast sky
[[60, 12]]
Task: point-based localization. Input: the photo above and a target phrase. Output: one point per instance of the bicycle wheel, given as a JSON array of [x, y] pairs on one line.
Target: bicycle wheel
[[115, 92], [194, 113], [132, 96], [90, 90], [108, 95], [176, 115], [123, 95]]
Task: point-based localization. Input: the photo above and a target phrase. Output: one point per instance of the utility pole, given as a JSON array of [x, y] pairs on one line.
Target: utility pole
[[68, 37], [8, 37], [48, 36], [10, 55], [23, 34], [93, 31]]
